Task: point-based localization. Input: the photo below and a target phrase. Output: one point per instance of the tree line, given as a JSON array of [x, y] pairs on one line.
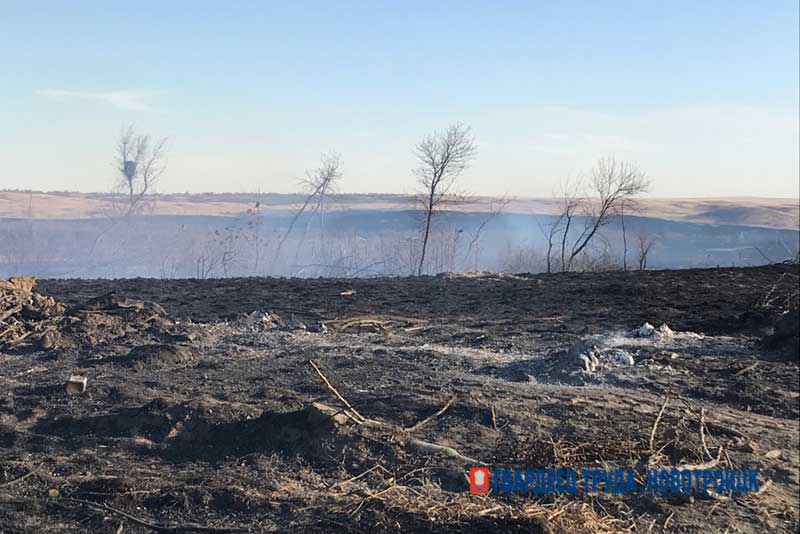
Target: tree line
[[585, 206]]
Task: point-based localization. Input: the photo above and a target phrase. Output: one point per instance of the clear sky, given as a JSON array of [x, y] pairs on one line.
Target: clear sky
[[702, 94]]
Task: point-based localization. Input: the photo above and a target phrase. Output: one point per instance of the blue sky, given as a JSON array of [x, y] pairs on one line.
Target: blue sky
[[703, 95]]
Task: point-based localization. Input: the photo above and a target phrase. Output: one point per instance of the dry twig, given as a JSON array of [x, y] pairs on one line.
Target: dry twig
[[353, 414], [658, 420], [23, 477], [432, 417]]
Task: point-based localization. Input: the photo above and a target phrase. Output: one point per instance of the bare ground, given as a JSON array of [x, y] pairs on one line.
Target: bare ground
[[208, 423]]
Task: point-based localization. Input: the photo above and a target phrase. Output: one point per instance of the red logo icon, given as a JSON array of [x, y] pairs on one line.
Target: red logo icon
[[479, 480]]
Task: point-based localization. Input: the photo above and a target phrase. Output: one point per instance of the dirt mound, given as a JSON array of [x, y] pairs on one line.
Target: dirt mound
[[26, 316], [29, 320], [158, 355], [160, 421]]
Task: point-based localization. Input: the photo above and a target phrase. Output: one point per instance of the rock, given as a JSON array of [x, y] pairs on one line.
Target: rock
[[646, 330], [586, 353], [773, 454], [317, 327], [49, 340], [623, 358], [589, 363], [665, 331], [76, 385]]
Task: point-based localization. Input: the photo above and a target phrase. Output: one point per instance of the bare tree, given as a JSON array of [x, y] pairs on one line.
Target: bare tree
[[317, 184], [569, 203], [644, 243], [613, 183], [496, 207], [140, 162], [442, 157]]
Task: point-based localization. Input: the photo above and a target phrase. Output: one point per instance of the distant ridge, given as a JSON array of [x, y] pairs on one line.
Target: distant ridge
[[782, 213]]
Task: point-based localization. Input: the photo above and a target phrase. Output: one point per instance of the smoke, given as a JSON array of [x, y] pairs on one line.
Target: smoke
[[356, 244]]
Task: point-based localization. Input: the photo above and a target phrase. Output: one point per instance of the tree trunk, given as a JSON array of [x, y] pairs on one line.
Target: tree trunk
[[624, 239], [425, 240]]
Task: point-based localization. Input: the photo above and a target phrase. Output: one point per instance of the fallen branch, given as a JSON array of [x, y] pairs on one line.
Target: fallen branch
[[426, 447], [745, 370], [658, 420], [9, 312], [352, 414], [702, 433], [706, 465], [764, 487], [431, 418], [422, 446], [23, 477]]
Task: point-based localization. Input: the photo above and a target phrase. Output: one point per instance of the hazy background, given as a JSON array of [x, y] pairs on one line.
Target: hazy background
[[703, 96], [222, 235]]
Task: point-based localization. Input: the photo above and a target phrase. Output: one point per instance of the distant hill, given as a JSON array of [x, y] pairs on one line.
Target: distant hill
[[779, 213]]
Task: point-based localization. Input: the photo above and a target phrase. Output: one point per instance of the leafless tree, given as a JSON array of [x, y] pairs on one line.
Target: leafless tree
[[317, 184], [644, 242], [140, 162], [442, 157], [496, 207], [254, 223], [570, 203], [612, 183], [628, 205]]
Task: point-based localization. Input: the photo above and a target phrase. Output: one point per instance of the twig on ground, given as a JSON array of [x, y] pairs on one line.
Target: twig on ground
[[365, 473], [706, 465], [354, 415], [746, 369], [762, 489], [658, 420], [432, 417], [23, 477], [424, 446], [702, 432], [666, 521]]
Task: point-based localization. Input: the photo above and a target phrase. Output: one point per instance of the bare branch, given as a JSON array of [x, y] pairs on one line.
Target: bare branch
[[140, 163], [613, 183], [318, 183], [442, 157]]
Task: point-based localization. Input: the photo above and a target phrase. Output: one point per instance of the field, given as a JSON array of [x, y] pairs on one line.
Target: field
[[779, 213], [318, 405]]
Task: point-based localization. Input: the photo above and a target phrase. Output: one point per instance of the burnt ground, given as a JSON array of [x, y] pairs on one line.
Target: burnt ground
[[209, 423]]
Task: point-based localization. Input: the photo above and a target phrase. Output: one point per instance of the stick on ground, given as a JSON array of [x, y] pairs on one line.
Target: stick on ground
[[658, 419], [432, 417], [358, 417], [23, 477]]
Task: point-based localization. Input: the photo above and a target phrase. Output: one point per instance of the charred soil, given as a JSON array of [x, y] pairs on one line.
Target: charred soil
[[267, 405]]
